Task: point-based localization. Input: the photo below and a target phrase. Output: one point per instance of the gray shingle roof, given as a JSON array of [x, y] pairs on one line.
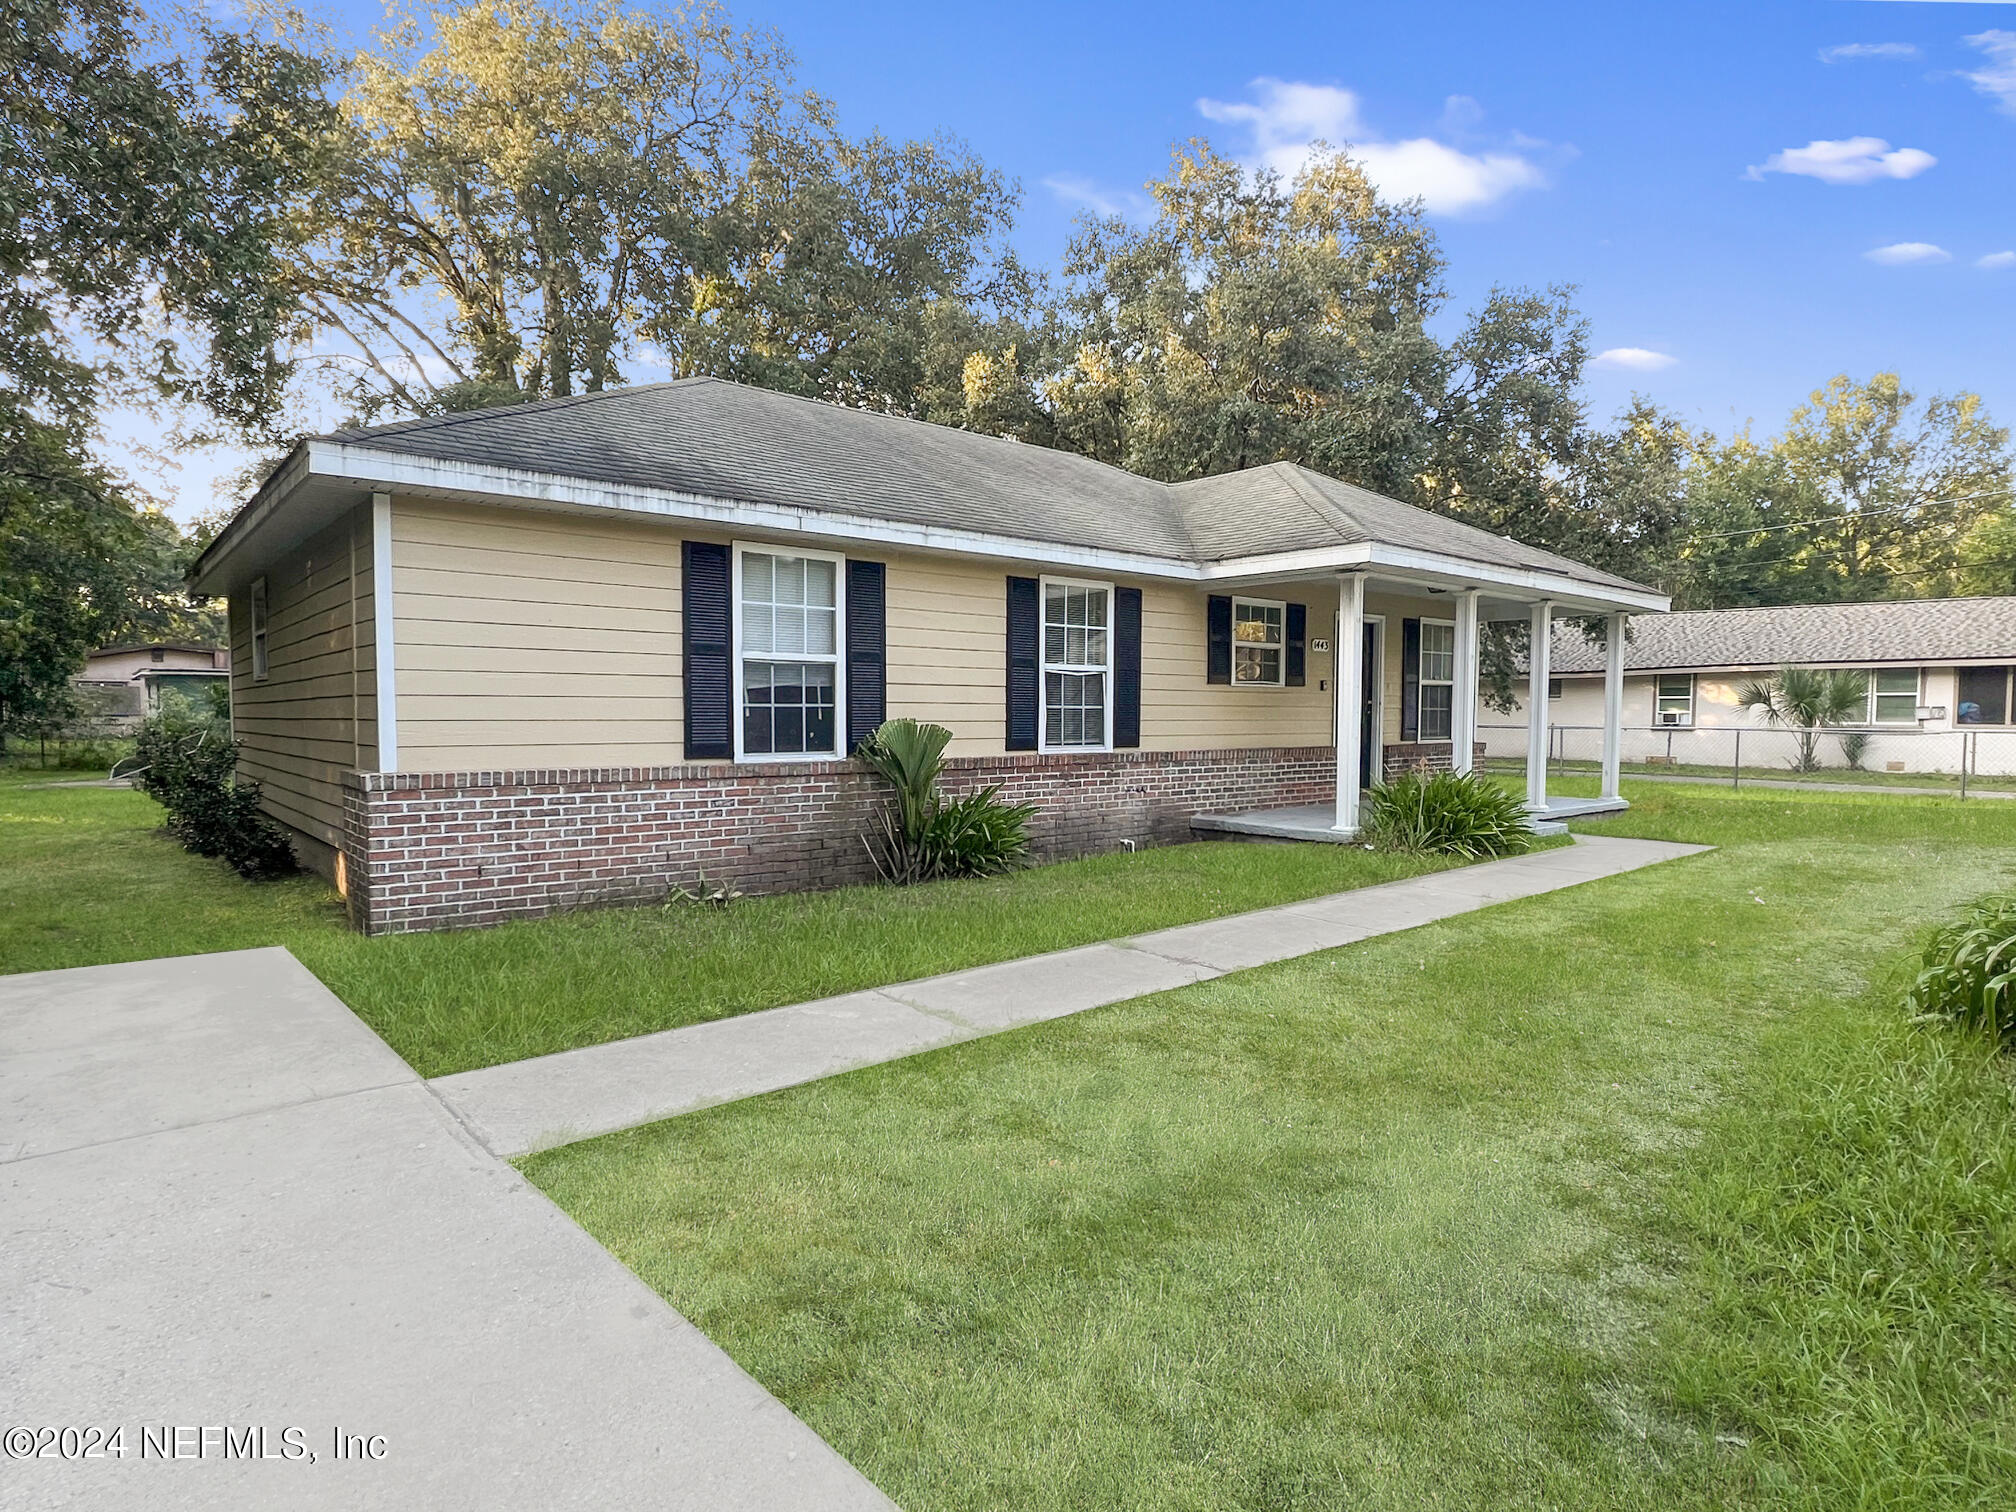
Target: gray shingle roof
[[727, 441], [1895, 630]]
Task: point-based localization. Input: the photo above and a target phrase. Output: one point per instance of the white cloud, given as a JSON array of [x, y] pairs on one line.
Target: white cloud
[[1853, 160], [1888, 52], [1075, 189], [1632, 360], [1905, 254], [1995, 261], [1999, 77], [1287, 122]]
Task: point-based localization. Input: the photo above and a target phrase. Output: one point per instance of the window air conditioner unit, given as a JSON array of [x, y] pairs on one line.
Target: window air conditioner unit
[[1671, 717]]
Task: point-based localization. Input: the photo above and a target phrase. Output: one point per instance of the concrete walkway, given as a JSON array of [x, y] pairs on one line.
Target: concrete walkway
[[556, 1099], [226, 1205]]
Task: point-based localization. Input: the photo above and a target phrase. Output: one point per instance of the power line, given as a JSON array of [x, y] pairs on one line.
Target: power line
[[1722, 535]]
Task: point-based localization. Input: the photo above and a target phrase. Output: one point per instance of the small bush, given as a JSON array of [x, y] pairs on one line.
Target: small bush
[[1446, 813], [978, 835], [1968, 974], [924, 837], [186, 761]]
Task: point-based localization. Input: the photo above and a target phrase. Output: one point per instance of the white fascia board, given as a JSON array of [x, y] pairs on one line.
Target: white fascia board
[[399, 471], [237, 531], [1516, 582]]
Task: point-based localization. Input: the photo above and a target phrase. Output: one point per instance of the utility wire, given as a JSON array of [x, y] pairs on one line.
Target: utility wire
[[1851, 514]]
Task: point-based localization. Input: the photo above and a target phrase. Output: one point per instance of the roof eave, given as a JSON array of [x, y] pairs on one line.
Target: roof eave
[[381, 469]]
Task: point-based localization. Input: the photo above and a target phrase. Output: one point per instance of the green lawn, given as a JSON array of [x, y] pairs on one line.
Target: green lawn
[[87, 877], [1782, 772], [1635, 1195]]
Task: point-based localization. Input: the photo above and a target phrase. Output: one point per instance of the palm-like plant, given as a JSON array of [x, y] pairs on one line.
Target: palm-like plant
[[923, 836], [1806, 701]]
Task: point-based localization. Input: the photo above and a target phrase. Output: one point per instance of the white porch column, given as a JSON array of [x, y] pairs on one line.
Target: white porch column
[[1613, 707], [1350, 694], [1539, 668], [1463, 715]]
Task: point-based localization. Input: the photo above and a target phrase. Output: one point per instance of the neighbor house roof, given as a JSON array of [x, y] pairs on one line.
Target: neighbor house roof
[[709, 440], [1893, 630]]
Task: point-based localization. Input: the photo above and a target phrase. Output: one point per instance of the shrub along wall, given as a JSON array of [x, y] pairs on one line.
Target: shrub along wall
[[440, 850]]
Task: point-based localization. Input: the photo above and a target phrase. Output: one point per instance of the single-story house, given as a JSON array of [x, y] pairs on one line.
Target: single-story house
[[497, 663], [120, 685], [1934, 671]]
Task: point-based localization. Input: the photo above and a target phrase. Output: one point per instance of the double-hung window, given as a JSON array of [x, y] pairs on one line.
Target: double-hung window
[[1893, 696], [1674, 699], [257, 615], [1438, 679], [787, 681], [1259, 634], [1077, 665]]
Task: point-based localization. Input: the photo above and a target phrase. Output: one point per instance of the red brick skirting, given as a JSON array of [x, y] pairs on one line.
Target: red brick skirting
[[1427, 755], [435, 850]]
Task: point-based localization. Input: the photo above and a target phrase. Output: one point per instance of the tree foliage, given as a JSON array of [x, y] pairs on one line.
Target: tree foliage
[[81, 564], [539, 199], [1869, 492], [147, 182]]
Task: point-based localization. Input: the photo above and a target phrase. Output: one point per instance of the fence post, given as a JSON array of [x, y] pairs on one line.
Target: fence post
[[1669, 745], [1967, 747], [1736, 765]]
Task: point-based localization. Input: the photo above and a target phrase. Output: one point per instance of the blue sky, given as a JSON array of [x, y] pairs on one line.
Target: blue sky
[[1749, 197]]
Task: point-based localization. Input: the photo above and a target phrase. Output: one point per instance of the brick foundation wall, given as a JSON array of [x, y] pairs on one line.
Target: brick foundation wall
[[1427, 755], [452, 849]]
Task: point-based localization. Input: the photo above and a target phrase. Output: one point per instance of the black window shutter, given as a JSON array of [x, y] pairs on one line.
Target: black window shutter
[[1023, 630], [1298, 645], [709, 654], [867, 650], [1218, 640], [1126, 667], [1410, 679]]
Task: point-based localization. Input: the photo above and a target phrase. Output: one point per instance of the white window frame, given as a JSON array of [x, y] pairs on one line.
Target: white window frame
[[736, 655], [1281, 661], [1659, 719], [1044, 666], [1917, 697], [1423, 682], [258, 617]]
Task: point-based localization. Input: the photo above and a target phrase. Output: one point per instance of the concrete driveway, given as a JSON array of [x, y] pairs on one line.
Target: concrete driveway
[[238, 1230]]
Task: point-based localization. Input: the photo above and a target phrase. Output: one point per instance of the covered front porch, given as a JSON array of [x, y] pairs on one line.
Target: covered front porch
[[1408, 697]]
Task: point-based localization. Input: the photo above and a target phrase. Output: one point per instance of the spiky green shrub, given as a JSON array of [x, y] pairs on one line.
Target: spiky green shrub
[[921, 836], [1446, 813], [1967, 975], [978, 835]]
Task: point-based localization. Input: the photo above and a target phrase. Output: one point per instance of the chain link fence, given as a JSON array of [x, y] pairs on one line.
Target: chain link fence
[[1962, 762]]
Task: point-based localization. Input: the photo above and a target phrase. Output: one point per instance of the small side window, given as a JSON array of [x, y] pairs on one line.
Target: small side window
[[1894, 696], [1675, 700], [258, 617]]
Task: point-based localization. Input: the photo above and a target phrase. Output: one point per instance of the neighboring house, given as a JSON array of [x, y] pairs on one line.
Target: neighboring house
[[121, 685], [1933, 671], [497, 663]]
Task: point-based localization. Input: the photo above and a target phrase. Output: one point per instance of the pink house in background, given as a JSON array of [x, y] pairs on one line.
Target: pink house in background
[[121, 685]]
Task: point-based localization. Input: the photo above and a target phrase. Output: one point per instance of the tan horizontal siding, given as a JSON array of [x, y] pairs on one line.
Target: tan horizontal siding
[[298, 729], [948, 649], [1182, 710], [528, 639]]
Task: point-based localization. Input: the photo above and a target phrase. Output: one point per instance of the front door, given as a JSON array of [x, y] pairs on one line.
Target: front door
[[1370, 683]]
